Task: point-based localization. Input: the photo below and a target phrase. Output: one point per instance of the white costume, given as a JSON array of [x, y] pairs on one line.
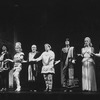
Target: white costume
[[17, 68], [88, 70], [47, 58]]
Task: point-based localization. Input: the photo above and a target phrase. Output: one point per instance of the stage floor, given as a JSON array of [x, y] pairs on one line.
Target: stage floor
[[12, 95]]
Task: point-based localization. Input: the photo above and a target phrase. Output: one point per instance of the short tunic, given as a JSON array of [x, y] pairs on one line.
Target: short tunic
[[48, 62]]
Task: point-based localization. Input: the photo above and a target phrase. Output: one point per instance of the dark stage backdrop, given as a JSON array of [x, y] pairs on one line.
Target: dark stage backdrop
[[51, 21]]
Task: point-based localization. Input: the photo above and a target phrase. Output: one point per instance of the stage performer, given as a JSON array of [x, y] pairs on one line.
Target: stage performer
[[47, 57], [67, 65], [18, 59], [4, 68], [88, 64], [33, 68]]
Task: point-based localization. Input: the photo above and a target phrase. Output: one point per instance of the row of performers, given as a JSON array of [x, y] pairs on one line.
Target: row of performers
[[48, 61]]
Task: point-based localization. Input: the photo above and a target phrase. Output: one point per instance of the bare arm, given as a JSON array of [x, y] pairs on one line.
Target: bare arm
[[97, 54], [29, 57], [37, 59], [6, 60], [2, 57]]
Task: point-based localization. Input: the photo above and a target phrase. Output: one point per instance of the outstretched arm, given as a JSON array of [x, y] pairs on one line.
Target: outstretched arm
[[96, 54], [6, 60], [37, 59]]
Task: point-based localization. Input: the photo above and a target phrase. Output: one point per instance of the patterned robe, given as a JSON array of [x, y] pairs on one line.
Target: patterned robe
[[67, 72]]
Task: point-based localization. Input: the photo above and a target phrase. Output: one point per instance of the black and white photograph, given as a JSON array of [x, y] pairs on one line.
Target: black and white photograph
[[49, 49]]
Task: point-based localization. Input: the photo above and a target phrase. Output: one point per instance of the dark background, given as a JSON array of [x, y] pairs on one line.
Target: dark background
[[51, 21]]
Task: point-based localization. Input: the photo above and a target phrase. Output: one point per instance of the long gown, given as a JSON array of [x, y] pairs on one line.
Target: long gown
[[88, 71]]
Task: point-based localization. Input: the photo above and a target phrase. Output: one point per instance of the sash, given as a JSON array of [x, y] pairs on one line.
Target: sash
[[70, 54]]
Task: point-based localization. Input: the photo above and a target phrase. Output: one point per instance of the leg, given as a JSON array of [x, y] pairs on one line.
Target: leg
[[2, 81], [17, 80], [46, 82], [50, 81], [6, 80], [71, 76], [64, 77]]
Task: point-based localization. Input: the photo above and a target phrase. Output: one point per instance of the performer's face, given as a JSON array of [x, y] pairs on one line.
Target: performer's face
[[4, 48], [17, 49], [47, 47], [67, 42], [86, 41], [34, 49]]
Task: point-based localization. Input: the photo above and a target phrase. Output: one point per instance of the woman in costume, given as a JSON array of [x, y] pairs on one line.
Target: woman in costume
[[17, 60], [88, 71]]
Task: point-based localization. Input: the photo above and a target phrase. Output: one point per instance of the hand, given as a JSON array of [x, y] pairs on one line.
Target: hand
[[79, 54], [73, 61], [24, 61]]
